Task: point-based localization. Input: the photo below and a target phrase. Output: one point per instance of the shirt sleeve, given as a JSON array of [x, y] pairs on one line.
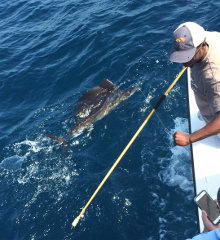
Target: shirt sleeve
[[213, 97], [213, 235]]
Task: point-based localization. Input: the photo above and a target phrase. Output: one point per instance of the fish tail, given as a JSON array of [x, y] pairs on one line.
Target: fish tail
[[63, 141], [56, 138], [64, 148]]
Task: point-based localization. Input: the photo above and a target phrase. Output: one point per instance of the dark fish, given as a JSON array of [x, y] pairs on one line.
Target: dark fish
[[94, 105]]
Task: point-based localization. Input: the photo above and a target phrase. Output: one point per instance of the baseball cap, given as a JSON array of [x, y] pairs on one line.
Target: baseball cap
[[186, 38]]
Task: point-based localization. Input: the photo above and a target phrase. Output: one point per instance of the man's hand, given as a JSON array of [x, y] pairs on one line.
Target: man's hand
[[208, 226], [181, 139], [210, 129]]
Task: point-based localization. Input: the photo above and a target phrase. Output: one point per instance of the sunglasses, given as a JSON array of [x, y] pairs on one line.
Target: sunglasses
[[198, 50]]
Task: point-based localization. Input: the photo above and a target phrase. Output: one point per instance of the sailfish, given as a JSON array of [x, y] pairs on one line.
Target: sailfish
[[94, 105]]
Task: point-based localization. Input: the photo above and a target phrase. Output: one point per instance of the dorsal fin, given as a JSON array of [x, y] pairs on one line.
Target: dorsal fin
[[106, 84]]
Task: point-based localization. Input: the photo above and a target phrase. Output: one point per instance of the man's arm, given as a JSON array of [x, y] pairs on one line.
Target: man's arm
[[210, 129]]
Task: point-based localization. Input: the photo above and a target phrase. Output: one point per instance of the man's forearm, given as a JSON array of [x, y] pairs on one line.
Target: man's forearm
[[210, 129]]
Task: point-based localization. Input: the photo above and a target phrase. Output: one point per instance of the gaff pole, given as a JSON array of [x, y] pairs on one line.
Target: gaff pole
[[76, 220]]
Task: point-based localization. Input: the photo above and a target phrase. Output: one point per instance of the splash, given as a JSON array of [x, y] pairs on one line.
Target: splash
[[12, 163], [177, 168]]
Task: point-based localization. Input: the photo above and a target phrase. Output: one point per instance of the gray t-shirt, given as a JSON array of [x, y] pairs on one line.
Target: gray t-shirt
[[205, 80]]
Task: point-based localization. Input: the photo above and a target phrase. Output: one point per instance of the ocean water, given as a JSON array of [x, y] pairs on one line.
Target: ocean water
[[51, 53]]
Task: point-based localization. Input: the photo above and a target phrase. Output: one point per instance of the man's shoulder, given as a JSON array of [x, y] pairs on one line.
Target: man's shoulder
[[213, 235], [213, 37], [212, 34], [213, 56]]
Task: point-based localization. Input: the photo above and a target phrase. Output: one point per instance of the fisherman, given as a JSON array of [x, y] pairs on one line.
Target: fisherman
[[210, 231], [200, 51]]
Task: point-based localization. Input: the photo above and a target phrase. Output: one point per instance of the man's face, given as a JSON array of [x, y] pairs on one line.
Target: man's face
[[190, 64], [197, 58]]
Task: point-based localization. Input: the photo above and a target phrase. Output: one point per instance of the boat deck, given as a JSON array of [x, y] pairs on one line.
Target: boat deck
[[205, 155]]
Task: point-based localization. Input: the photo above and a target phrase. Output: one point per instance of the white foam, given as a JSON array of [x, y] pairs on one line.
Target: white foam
[[12, 163], [34, 146], [32, 171], [178, 172], [162, 220], [127, 202]]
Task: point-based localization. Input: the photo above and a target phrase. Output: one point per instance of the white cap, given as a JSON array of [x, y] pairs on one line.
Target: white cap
[[186, 38]]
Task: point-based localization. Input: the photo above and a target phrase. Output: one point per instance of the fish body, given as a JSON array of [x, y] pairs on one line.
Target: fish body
[[94, 105]]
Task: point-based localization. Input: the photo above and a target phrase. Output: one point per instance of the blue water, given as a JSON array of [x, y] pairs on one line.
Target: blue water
[[51, 53]]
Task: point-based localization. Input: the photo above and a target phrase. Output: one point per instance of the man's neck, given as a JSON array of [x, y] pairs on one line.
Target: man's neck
[[205, 51]]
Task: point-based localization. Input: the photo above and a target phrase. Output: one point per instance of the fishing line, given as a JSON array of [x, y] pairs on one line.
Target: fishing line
[[166, 130], [160, 120], [76, 220]]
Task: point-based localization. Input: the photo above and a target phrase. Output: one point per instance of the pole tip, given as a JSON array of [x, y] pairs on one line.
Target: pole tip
[[74, 223]]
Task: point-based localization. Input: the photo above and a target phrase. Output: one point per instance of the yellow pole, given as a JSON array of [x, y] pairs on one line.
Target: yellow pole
[[76, 220]]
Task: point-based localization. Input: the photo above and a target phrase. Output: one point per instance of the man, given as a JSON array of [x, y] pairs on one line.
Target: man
[[200, 50], [210, 232]]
